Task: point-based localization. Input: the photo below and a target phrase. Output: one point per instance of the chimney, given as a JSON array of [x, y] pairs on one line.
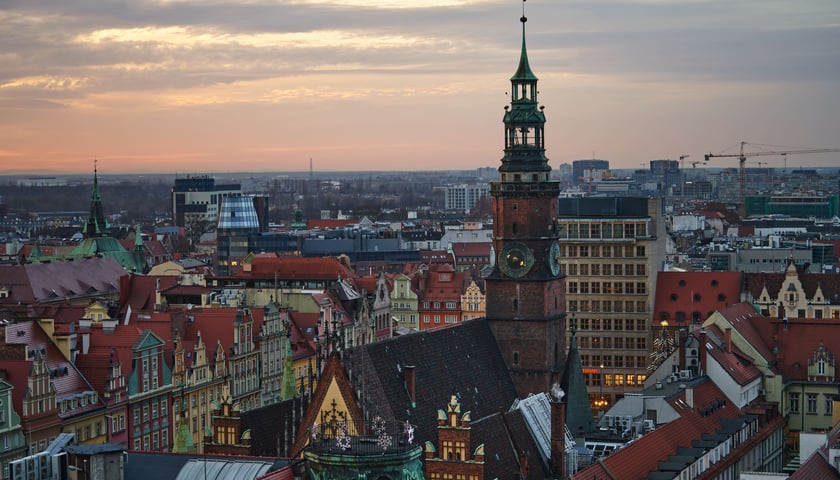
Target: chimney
[[689, 397], [702, 351], [85, 342], [410, 376], [728, 340], [558, 434], [683, 334]]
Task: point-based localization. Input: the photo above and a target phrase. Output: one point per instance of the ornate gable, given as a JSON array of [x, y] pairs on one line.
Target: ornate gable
[[821, 366], [333, 404]]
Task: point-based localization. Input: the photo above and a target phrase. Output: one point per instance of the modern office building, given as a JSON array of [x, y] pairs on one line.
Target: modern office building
[[802, 206], [241, 218], [199, 198], [610, 250]]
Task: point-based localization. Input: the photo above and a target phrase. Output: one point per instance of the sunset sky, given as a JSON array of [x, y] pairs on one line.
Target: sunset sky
[[197, 86]]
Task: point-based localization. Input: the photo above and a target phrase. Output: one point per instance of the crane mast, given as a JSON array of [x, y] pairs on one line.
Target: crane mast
[[742, 161]]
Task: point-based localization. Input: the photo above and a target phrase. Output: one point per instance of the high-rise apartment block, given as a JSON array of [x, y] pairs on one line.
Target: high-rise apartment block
[[610, 250], [465, 196]]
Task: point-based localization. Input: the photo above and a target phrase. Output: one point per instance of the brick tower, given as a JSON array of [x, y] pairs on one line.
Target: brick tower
[[526, 290]]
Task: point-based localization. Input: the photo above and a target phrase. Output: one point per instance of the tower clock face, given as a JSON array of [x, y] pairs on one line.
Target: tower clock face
[[515, 260], [554, 258]]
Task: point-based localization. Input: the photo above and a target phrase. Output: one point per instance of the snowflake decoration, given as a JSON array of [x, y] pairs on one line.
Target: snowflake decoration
[[384, 441], [408, 430], [378, 425], [343, 440]]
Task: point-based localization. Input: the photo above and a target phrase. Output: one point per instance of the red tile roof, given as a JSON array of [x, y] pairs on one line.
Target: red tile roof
[[738, 365], [798, 342], [68, 381], [287, 268], [748, 323], [472, 249], [689, 292], [637, 459]]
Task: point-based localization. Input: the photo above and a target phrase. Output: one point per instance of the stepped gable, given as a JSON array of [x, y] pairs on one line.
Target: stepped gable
[[64, 375], [689, 292], [464, 361], [829, 283]]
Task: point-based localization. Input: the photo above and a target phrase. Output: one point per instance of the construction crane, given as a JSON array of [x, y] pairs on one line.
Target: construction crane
[[682, 160], [742, 160]]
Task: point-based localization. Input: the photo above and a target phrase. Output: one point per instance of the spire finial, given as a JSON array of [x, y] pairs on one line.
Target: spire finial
[[524, 18]]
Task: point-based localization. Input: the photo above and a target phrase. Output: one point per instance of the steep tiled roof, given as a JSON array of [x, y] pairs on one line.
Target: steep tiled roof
[[139, 291], [45, 282], [738, 365], [471, 249], [637, 459], [15, 279], [286, 268], [464, 362], [17, 373], [274, 426], [689, 292], [798, 341], [68, 380], [818, 465], [829, 283], [748, 323]]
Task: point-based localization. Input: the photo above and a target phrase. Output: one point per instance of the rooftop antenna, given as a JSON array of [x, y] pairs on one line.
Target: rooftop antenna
[[311, 172]]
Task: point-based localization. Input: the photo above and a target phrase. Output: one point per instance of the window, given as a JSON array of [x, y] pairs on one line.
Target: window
[[812, 403], [640, 270], [829, 405], [793, 402]]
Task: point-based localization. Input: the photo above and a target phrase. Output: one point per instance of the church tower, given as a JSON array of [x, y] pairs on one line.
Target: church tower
[[526, 289]]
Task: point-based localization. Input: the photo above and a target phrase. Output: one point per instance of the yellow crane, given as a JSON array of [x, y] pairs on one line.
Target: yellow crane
[[742, 160]]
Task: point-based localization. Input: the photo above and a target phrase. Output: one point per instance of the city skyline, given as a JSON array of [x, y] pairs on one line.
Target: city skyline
[[196, 86]]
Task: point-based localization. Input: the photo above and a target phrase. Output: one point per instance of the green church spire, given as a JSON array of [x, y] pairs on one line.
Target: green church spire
[[524, 160], [96, 226], [524, 71]]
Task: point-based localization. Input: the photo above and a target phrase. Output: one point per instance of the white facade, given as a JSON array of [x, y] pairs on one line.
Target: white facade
[[464, 197]]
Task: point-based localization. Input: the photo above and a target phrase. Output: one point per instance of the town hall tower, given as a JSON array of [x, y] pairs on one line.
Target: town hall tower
[[526, 289]]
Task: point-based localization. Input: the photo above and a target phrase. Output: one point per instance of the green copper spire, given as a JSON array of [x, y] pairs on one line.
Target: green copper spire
[[524, 71], [524, 160], [96, 226]]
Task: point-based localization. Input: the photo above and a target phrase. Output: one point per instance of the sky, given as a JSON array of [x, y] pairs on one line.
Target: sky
[[202, 86]]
